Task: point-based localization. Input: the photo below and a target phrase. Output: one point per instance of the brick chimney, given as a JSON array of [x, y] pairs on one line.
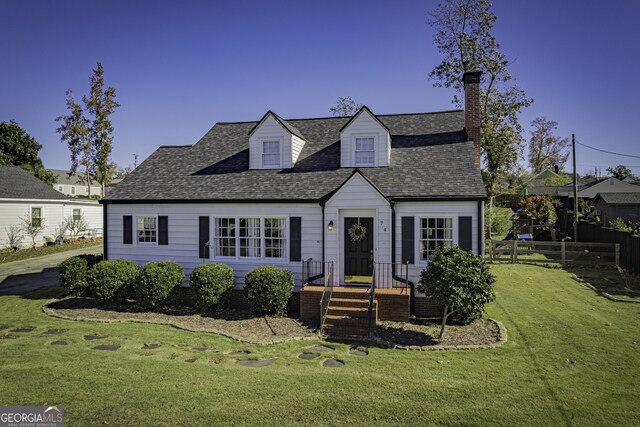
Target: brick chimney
[[471, 80]]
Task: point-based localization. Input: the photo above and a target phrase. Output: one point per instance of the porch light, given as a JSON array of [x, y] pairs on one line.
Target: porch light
[[330, 226]]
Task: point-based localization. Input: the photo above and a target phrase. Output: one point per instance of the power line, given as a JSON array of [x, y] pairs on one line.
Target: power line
[[608, 152]]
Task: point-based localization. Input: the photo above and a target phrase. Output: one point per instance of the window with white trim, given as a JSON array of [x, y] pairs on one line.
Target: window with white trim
[[271, 153], [77, 214], [225, 237], [36, 217], [73, 190], [147, 229], [434, 232], [60, 188], [250, 241], [365, 152], [275, 240]]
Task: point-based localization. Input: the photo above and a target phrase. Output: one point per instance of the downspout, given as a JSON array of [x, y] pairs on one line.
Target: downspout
[[323, 239], [412, 296], [104, 231], [480, 228]]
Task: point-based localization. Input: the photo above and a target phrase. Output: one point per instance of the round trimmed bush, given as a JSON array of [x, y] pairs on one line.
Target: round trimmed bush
[[111, 280], [156, 281], [209, 282], [268, 289], [73, 272]]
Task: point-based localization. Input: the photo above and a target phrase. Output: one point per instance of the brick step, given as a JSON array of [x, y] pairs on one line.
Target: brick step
[[355, 312], [337, 320], [351, 295], [350, 302], [343, 331]]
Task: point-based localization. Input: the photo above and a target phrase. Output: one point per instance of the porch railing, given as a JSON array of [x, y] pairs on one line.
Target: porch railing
[[372, 299], [326, 292], [313, 272], [391, 275]]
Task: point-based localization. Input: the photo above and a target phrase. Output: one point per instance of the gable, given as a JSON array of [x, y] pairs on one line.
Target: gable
[[365, 127], [608, 185], [274, 131], [356, 192]]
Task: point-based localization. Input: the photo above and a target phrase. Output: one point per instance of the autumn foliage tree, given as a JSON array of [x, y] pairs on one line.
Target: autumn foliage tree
[[542, 208], [546, 150]]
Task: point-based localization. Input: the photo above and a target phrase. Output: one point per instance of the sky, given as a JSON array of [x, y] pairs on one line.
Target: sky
[[181, 66]]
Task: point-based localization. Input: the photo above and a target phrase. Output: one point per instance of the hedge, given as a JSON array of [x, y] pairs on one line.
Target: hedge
[[209, 282], [268, 289], [112, 280], [156, 281]]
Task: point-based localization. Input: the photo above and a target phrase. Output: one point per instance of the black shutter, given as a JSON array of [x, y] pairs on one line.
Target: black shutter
[[465, 240], [408, 236], [127, 230], [203, 237], [163, 230], [295, 238]]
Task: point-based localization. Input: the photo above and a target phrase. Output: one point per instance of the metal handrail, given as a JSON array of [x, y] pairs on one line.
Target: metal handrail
[[326, 293], [372, 297]]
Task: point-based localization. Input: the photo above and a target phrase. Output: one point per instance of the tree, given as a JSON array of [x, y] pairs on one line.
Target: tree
[[620, 172], [32, 227], [460, 281], [18, 148], [463, 35], [122, 172], [14, 237], [76, 225], [546, 150], [345, 107]]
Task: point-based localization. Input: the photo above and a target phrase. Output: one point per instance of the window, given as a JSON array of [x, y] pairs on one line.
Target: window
[[250, 241], [225, 237], [434, 232], [274, 237], [60, 188], [271, 154], [77, 214], [73, 190], [36, 217], [147, 229], [365, 152]]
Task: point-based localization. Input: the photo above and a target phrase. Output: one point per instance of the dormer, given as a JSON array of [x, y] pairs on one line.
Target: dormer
[[274, 143], [364, 141]]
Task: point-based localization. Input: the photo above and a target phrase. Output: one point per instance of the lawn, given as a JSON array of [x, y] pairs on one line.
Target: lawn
[[9, 255], [573, 358]]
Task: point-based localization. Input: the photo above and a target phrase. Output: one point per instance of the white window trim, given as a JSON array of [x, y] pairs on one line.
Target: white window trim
[[31, 207], [417, 231], [262, 257], [375, 150], [73, 209], [261, 142], [146, 244]]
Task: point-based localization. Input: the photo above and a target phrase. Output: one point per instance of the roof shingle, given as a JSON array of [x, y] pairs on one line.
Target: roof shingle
[[16, 183]]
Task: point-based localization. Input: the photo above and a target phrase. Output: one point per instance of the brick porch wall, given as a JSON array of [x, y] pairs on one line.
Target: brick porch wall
[[425, 307]]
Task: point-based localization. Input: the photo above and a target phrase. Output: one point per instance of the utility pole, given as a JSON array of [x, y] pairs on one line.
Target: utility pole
[[575, 190]]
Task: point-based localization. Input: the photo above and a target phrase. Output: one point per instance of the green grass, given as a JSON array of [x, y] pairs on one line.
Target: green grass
[[9, 256], [572, 359]]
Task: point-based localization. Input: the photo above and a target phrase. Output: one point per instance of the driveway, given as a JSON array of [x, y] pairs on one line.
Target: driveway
[[21, 276]]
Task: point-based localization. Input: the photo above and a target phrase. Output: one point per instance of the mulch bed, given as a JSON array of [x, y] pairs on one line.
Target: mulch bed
[[234, 324]]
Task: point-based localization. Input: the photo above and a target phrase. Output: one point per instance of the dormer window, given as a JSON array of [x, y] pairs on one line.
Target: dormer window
[[365, 151], [271, 154]]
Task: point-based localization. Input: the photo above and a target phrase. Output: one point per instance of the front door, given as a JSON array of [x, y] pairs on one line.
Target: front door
[[358, 250]]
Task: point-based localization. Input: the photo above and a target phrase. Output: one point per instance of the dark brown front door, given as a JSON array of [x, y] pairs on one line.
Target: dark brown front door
[[358, 255]]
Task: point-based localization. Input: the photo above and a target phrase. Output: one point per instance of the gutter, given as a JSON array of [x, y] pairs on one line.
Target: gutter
[[412, 295]]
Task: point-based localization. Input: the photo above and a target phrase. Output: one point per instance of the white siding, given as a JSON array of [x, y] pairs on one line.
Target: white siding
[[290, 145], [79, 190], [357, 198], [425, 209], [183, 234], [364, 125], [296, 148], [53, 212], [611, 185]]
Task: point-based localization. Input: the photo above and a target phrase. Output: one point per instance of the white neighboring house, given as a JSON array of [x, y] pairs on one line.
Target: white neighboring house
[[73, 185], [283, 192], [22, 195]]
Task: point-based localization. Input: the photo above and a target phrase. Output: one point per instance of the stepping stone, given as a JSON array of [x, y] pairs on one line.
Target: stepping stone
[[54, 332], [191, 360], [107, 347], [61, 342], [22, 330], [333, 363], [94, 337], [200, 348], [358, 352], [150, 346], [308, 356], [255, 363], [239, 353], [322, 348]]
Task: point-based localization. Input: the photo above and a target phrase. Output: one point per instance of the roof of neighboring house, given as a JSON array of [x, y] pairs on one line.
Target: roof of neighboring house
[[20, 184], [550, 190], [63, 177], [430, 159], [632, 198]]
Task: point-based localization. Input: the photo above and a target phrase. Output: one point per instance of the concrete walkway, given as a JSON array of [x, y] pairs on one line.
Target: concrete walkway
[[21, 276]]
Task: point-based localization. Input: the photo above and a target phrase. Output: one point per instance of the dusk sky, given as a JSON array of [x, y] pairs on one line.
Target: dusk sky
[[179, 67]]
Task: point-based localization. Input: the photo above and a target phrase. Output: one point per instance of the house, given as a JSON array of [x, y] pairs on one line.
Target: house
[[334, 196], [618, 205], [24, 196], [73, 184], [604, 185]]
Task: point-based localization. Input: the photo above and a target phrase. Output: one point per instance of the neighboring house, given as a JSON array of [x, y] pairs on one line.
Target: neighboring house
[[605, 185], [618, 205], [112, 185], [282, 192], [24, 196], [73, 184]]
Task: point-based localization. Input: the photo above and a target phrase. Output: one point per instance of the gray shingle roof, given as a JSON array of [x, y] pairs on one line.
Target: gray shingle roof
[[631, 198], [430, 158], [62, 177], [16, 183]]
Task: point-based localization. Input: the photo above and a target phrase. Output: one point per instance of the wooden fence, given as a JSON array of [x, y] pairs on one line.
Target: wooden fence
[[629, 244], [563, 253]]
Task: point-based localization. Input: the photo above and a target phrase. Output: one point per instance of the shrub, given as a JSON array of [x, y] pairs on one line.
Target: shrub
[[73, 272], [619, 224], [268, 289], [156, 281], [111, 280], [542, 208], [209, 282], [460, 281], [498, 219]]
